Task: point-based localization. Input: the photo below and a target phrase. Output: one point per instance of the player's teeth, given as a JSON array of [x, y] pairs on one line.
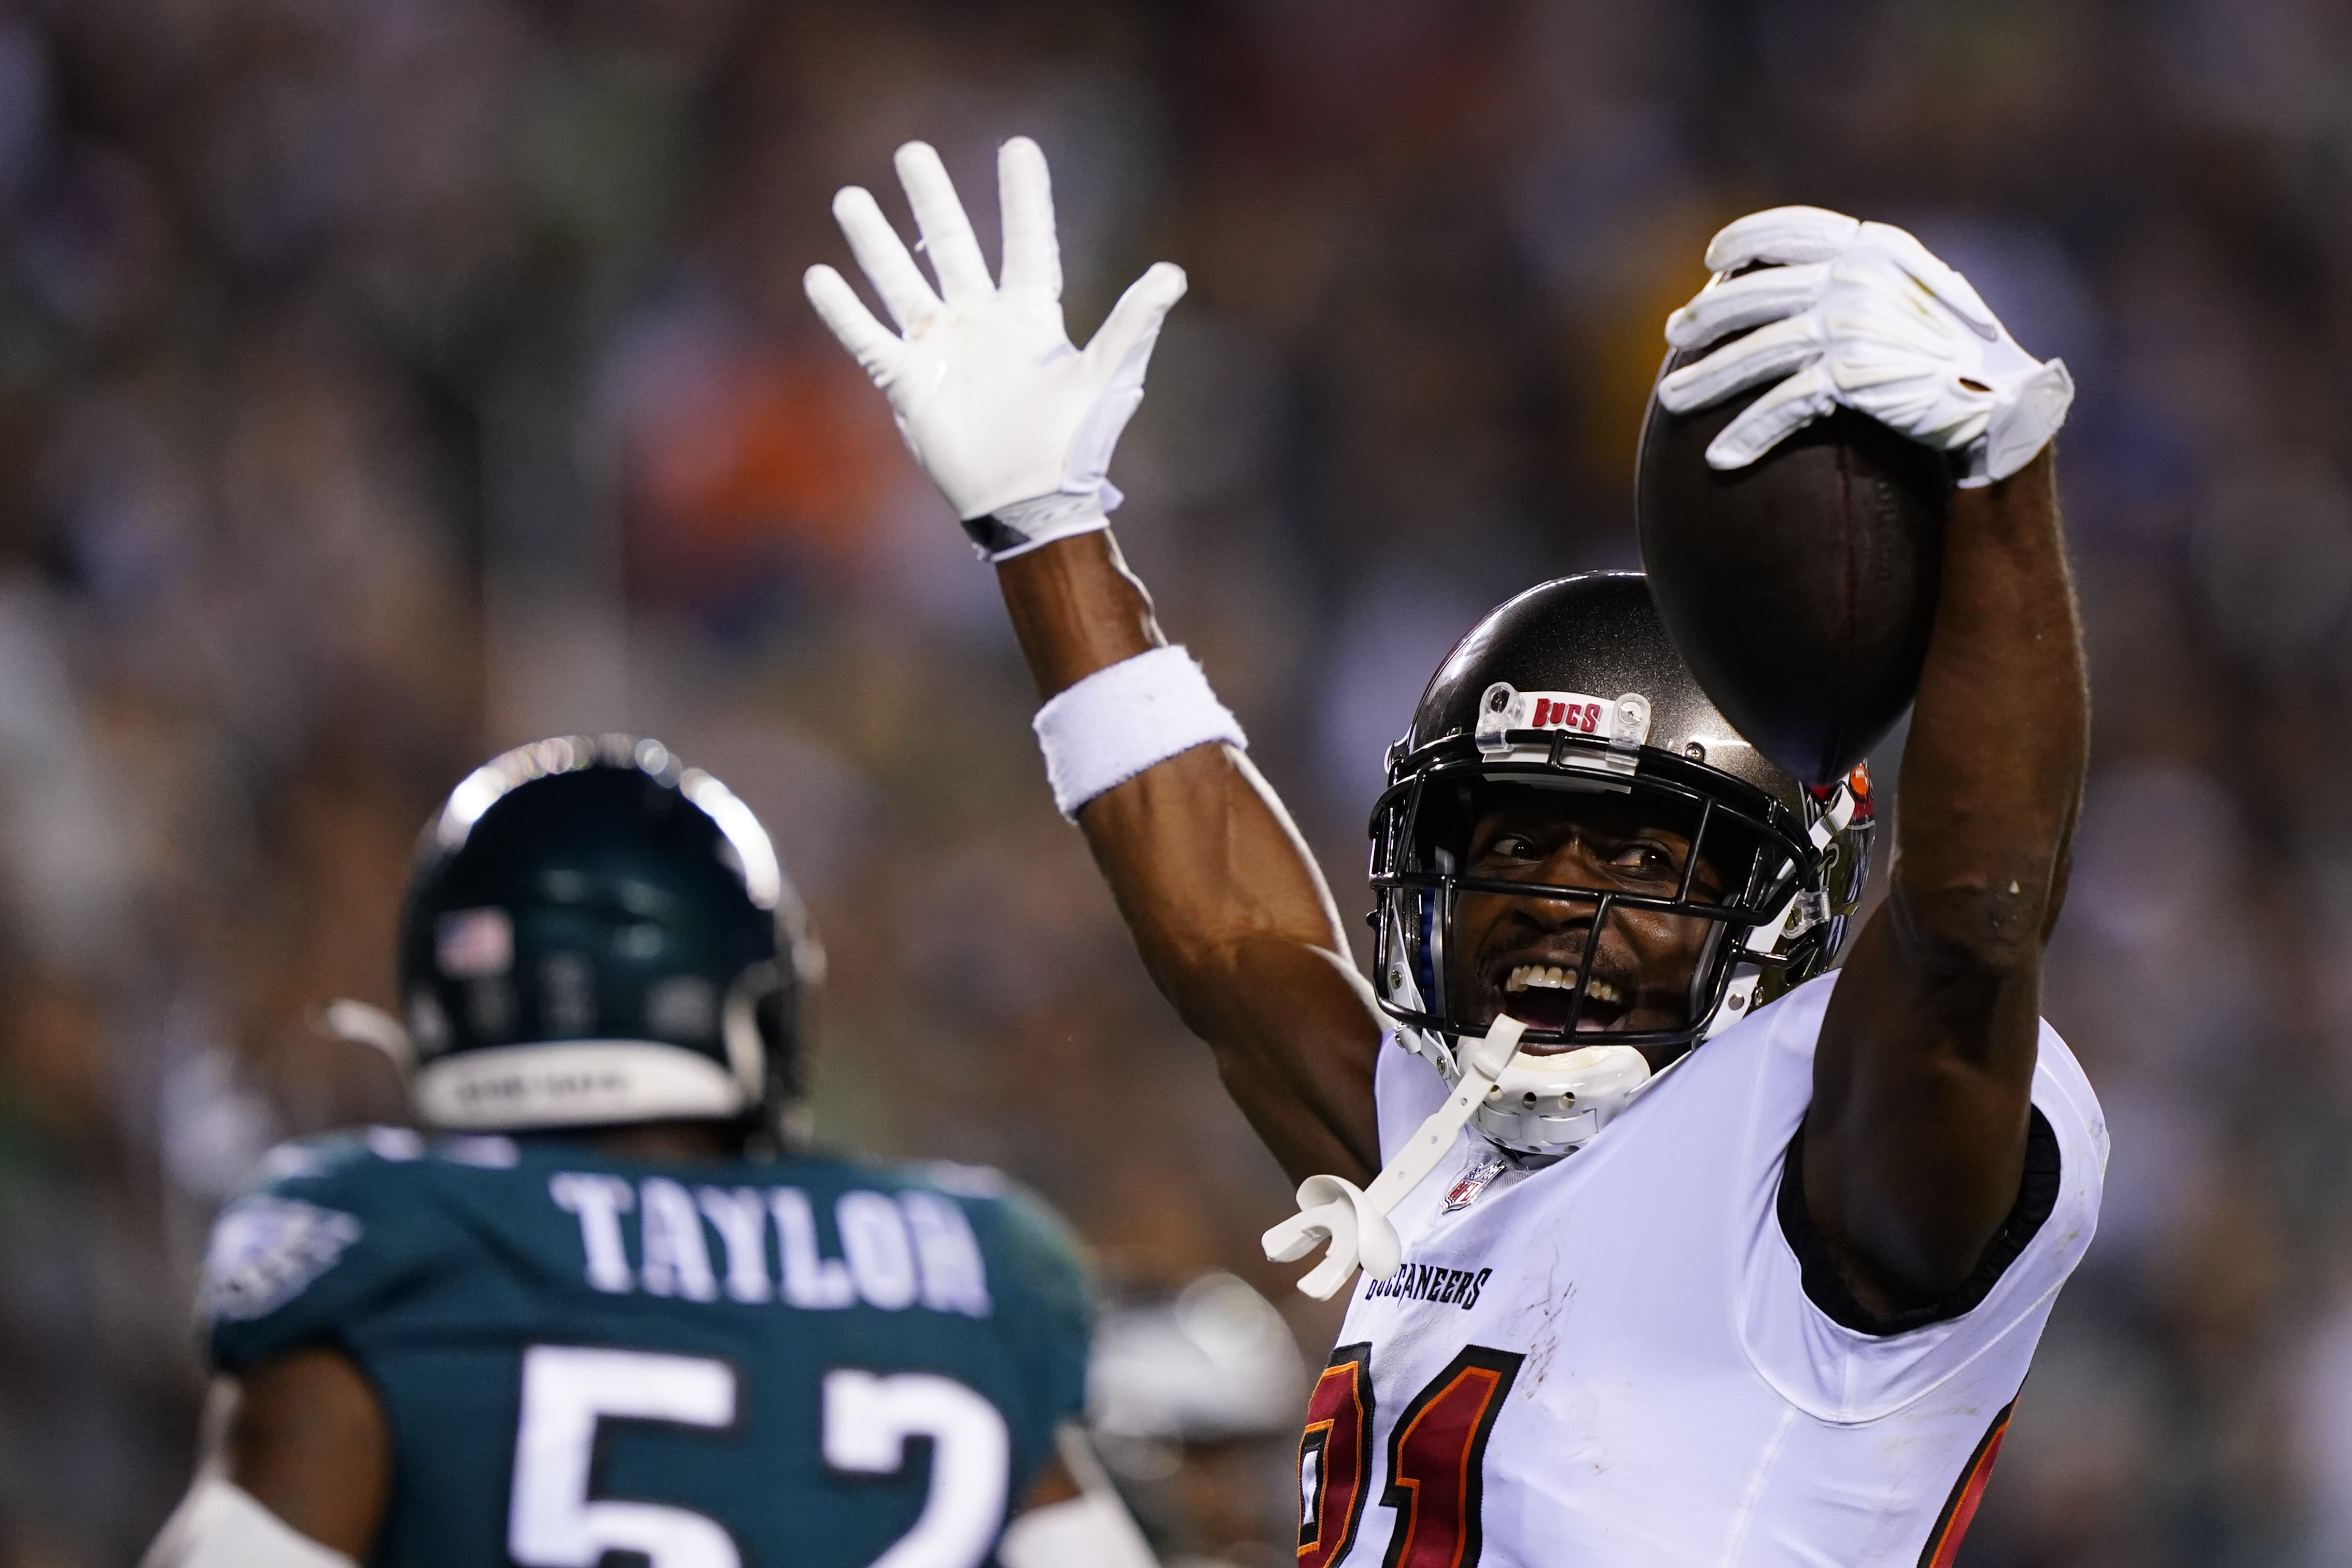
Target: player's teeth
[[1554, 977]]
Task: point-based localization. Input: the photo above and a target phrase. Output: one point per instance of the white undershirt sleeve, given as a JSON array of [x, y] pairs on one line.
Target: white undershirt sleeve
[[1092, 1529], [220, 1524]]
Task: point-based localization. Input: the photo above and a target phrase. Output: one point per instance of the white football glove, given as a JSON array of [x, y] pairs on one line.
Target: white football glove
[[1014, 423], [1861, 315]]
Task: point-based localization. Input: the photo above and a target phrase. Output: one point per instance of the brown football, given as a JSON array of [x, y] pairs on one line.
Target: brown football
[[1801, 589]]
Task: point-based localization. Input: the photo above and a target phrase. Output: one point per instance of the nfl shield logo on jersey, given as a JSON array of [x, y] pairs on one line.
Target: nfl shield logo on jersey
[[1474, 1181]]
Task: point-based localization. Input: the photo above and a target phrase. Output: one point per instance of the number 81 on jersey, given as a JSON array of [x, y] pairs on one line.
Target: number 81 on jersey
[[1436, 1459]]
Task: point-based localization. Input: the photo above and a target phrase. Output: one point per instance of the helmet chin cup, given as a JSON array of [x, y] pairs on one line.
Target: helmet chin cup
[[1550, 1104]]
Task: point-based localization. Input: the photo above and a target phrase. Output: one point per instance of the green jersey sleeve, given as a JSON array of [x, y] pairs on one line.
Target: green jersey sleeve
[[332, 1231]]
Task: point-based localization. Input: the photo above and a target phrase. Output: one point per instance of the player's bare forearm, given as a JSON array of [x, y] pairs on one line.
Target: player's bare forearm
[[1915, 1144], [1234, 925], [308, 1441], [1992, 775], [1229, 911], [1016, 424]]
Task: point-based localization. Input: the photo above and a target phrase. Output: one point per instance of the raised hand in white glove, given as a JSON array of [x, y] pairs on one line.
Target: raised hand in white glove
[[1861, 315], [1013, 423]]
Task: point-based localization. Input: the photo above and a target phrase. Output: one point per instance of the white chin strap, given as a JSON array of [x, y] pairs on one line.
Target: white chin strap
[[1355, 1220]]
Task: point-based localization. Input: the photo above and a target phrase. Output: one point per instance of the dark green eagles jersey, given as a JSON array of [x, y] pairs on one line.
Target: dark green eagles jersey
[[806, 1362]]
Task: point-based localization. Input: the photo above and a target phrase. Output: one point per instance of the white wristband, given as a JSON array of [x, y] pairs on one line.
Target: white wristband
[[1125, 717]]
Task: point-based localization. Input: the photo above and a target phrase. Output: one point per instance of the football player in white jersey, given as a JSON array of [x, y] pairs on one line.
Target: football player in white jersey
[[1777, 1307]]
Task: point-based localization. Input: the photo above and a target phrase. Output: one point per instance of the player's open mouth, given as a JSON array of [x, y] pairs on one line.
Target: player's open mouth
[[1542, 995]]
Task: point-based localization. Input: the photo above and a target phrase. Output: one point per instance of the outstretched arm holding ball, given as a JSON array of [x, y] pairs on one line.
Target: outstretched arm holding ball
[[1915, 1147]]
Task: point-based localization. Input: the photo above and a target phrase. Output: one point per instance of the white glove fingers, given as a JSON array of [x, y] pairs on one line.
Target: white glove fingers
[[992, 397], [1123, 347], [947, 233], [1772, 418], [1119, 355], [1764, 354], [1025, 190], [1891, 331], [1938, 276], [1896, 241], [1903, 323], [1735, 303], [875, 346], [1957, 294], [1780, 234], [883, 256]]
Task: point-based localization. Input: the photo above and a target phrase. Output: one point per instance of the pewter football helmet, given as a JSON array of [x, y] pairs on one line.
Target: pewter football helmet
[[1571, 693]]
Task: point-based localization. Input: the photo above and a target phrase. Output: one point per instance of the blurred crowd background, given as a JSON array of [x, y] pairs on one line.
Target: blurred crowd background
[[383, 383]]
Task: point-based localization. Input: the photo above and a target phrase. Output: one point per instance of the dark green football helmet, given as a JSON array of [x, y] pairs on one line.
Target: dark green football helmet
[[594, 934]]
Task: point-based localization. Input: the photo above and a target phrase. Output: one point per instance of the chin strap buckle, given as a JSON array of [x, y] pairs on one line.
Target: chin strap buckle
[[1355, 1220]]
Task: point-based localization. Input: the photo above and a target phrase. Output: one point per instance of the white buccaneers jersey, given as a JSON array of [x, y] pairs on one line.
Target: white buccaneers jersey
[[1614, 1361]]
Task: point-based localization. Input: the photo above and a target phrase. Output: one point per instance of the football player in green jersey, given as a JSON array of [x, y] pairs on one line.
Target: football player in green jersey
[[614, 1306]]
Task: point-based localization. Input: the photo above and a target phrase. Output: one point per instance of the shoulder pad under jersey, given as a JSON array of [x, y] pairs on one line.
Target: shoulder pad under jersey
[[332, 1225]]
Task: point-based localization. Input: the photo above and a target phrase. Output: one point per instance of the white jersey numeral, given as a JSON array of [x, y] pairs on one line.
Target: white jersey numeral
[[552, 1523], [867, 1420], [868, 1417]]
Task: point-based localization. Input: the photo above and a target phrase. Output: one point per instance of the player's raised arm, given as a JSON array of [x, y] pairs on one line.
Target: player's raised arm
[[1016, 426], [1915, 1143]]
